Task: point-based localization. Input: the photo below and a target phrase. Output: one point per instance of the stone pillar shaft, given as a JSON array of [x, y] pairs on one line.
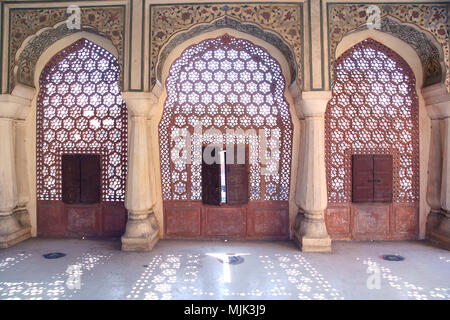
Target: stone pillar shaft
[[14, 217], [310, 232], [435, 167], [8, 188], [445, 184], [438, 189], [142, 230], [138, 195]]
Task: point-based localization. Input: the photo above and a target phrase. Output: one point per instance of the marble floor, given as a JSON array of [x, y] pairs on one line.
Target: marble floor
[[97, 269]]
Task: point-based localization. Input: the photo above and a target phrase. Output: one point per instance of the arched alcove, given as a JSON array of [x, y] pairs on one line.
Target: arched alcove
[[81, 141], [223, 83], [372, 124]]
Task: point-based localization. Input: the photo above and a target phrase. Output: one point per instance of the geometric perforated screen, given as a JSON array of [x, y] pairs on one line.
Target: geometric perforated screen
[[373, 110], [80, 111], [226, 83]]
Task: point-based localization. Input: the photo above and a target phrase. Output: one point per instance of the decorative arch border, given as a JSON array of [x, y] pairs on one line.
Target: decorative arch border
[[65, 42], [226, 22], [406, 21], [280, 22], [429, 52], [33, 30], [400, 47], [34, 46]]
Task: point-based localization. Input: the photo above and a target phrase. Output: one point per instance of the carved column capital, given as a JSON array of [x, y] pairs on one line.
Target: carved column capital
[[437, 100], [313, 103]]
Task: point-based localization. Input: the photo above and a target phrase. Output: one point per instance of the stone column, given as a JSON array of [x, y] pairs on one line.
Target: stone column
[[435, 167], [14, 219], [310, 232], [142, 230], [438, 188]]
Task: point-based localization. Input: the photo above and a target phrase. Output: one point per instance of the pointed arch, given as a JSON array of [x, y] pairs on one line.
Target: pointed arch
[[81, 117], [374, 111]]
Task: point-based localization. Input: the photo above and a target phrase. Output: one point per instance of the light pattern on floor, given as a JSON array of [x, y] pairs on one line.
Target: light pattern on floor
[[309, 283], [161, 275], [177, 276], [63, 285], [413, 291], [444, 259], [9, 262]]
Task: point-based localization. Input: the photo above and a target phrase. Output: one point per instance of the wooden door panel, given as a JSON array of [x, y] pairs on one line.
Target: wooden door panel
[[237, 177], [382, 185], [181, 222], [81, 213], [210, 177], [371, 221], [90, 179], [71, 178], [362, 178], [224, 221], [257, 220], [82, 219]]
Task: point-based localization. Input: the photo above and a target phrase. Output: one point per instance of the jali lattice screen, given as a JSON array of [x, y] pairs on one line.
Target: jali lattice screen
[[373, 110], [226, 83], [80, 110]]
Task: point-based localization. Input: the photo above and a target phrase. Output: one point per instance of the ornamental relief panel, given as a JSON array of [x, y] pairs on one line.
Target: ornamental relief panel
[[283, 19], [107, 21], [432, 18]]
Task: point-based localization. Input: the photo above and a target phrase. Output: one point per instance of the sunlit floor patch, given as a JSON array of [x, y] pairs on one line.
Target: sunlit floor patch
[[215, 270], [412, 290], [284, 276], [303, 280], [164, 274], [9, 262], [62, 285]]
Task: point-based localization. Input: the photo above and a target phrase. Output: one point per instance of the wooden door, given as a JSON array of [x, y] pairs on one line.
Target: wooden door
[[81, 179], [362, 178], [211, 175], [90, 179], [71, 178], [237, 177], [382, 178], [372, 178], [81, 211]]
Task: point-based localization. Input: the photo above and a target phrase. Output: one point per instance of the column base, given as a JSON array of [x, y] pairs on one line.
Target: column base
[[310, 233], [438, 229], [14, 228], [141, 234]]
